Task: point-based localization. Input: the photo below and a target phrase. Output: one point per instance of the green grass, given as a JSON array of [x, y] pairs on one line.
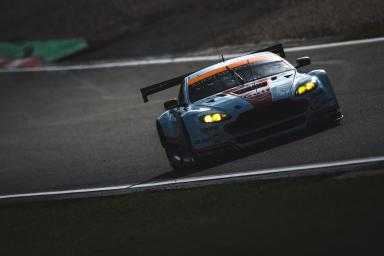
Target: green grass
[[308, 215], [49, 51]]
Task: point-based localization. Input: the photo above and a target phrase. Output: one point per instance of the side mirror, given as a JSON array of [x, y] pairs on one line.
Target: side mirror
[[303, 61], [170, 104]]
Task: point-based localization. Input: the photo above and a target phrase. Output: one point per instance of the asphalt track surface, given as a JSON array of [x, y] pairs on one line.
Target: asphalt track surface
[[89, 128]]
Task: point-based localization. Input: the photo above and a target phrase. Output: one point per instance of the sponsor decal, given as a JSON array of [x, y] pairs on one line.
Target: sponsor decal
[[258, 93]]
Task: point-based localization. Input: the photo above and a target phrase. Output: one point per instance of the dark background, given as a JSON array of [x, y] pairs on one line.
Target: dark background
[[131, 28]]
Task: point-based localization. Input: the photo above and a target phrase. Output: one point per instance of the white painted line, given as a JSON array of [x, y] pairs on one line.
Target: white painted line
[[152, 185], [265, 171], [337, 44], [160, 61], [65, 192]]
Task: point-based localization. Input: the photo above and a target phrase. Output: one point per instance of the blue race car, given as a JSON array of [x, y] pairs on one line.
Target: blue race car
[[240, 102]]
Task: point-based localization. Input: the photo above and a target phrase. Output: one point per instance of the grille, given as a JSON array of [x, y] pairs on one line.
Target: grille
[[271, 130], [264, 116], [218, 149]]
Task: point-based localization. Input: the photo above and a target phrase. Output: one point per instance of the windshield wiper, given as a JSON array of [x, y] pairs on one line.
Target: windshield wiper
[[237, 75]]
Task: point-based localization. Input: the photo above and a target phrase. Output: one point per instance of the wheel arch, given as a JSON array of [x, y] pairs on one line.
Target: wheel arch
[[322, 75], [171, 128], [160, 133]]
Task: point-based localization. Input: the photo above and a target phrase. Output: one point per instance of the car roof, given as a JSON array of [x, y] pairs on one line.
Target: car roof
[[231, 63]]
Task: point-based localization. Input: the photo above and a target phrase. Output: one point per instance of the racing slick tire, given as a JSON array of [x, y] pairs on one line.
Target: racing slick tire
[[179, 161], [180, 157]]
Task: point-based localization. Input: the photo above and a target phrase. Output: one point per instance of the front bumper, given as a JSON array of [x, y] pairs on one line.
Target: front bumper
[[257, 125]]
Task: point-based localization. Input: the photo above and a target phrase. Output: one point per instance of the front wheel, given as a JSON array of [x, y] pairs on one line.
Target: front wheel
[[179, 158], [179, 155]]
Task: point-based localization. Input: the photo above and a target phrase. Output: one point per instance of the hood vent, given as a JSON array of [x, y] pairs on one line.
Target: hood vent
[[213, 99]]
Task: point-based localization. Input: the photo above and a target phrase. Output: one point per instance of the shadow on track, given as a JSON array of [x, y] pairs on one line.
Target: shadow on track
[[224, 158]]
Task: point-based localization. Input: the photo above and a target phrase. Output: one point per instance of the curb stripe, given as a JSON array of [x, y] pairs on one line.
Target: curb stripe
[[9, 64]]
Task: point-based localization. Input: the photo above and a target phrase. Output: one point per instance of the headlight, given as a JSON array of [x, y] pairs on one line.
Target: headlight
[[307, 87], [213, 118]]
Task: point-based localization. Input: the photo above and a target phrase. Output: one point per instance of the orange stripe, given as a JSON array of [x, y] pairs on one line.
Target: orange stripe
[[208, 74], [237, 64], [233, 65]]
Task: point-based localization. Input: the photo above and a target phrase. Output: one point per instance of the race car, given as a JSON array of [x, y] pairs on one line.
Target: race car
[[241, 102]]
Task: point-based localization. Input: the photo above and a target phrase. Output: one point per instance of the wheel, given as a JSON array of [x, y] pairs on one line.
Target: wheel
[[179, 155], [327, 119], [178, 158]]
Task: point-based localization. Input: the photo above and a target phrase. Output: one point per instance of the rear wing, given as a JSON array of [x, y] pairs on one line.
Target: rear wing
[[162, 86], [152, 89], [277, 49]]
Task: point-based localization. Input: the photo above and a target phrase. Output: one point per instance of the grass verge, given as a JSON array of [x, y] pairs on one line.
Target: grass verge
[[308, 215]]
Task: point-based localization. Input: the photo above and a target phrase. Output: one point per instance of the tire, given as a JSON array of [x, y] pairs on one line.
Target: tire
[[329, 119], [180, 157]]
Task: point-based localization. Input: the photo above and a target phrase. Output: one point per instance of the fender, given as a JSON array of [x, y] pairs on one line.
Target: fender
[[168, 124], [322, 76]]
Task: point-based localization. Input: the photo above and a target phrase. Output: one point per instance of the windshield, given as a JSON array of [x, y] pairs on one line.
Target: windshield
[[228, 79]]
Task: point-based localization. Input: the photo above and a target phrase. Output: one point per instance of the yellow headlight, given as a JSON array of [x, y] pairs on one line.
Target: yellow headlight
[[309, 86], [208, 119], [215, 117], [305, 88], [301, 90]]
